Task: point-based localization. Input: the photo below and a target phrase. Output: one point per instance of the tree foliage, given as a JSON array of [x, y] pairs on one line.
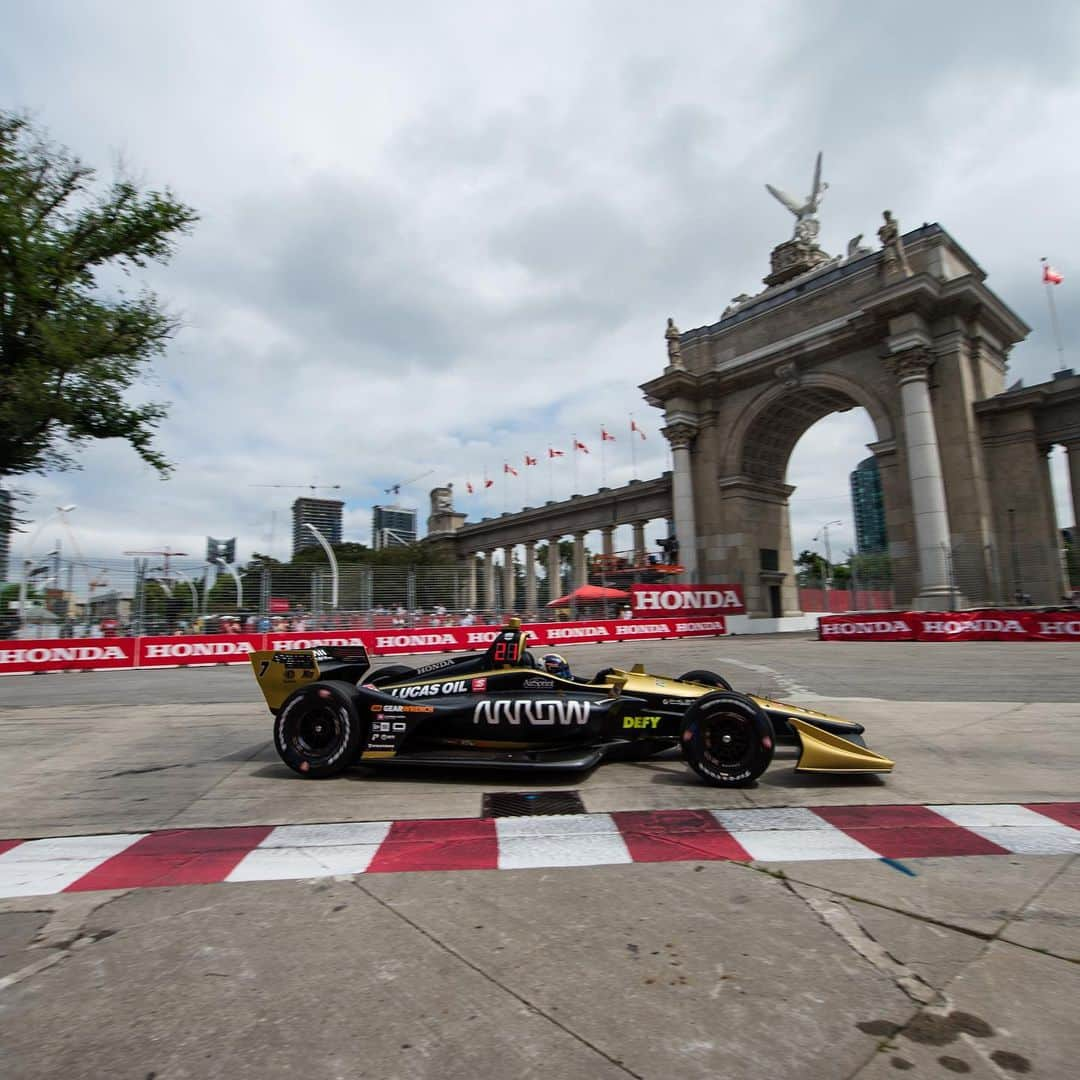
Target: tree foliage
[[69, 350]]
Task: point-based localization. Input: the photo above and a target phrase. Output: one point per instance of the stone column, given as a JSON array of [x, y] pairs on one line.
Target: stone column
[[1073, 450], [470, 581], [931, 518], [508, 578], [489, 580], [639, 542], [581, 576], [554, 569], [530, 578], [681, 434], [607, 539]]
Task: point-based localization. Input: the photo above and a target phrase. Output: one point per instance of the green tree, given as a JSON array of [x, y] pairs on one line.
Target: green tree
[[71, 346]]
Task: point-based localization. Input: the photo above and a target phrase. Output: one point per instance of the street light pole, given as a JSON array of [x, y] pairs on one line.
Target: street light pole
[[28, 558], [333, 563], [824, 531]]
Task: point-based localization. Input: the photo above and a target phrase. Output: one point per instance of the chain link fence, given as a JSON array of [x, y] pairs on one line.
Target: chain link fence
[[54, 597]]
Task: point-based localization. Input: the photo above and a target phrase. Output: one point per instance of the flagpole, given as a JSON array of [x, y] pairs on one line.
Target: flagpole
[[1054, 317], [603, 459], [551, 477], [633, 450], [573, 450]]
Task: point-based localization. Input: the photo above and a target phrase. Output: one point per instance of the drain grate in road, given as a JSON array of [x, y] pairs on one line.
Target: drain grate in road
[[531, 803]]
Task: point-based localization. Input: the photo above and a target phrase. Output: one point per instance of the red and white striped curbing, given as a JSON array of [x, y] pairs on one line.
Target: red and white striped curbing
[[291, 852]]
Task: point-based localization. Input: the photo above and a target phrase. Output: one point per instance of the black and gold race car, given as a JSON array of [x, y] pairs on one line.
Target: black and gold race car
[[500, 710]]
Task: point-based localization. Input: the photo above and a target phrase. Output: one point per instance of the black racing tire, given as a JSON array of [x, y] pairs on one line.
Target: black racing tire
[[390, 674], [318, 730], [727, 739], [709, 678]]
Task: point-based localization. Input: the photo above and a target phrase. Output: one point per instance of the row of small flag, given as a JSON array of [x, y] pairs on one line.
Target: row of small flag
[[577, 445]]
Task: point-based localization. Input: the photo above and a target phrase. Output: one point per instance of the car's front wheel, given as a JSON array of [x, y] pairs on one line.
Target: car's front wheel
[[706, 678], [727, 739], [318, 730]]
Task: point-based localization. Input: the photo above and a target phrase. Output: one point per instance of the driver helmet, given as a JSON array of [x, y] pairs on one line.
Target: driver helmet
[[554, 664]]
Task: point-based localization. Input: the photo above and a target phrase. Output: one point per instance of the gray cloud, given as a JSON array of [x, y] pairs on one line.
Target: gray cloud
[[442, 237]]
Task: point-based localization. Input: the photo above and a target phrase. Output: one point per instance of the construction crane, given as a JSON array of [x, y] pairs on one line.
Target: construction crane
[[310, 487], [167, 554], [395, 489]]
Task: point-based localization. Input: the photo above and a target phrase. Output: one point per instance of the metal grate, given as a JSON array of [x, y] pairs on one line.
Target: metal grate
[[531, 803]]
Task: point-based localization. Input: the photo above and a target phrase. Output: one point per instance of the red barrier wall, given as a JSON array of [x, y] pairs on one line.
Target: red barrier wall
[[81, 654], [985, 625]]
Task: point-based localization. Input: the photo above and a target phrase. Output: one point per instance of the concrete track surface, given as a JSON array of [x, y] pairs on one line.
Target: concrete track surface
[[827, 967]]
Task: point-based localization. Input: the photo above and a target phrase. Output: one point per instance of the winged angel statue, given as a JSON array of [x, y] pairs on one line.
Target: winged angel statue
[[806, 224]]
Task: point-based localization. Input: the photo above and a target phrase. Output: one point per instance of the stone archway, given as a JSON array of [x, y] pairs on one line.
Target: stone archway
[[916, 341], [754, 457]]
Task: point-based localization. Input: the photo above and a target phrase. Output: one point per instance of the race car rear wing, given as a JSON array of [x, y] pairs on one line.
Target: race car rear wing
[[281, 671]]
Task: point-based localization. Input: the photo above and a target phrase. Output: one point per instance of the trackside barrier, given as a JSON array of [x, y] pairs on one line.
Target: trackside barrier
[[80, 654], [984, 625]]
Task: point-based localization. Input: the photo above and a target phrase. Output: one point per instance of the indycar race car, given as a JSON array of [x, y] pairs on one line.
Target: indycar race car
[[500, 710]]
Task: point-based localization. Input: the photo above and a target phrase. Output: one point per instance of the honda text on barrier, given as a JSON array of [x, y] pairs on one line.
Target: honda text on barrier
[[501, 710]]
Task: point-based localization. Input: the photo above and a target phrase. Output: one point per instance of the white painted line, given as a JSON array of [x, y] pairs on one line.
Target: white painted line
[[41, 867], [790, 834], [330, 835], [761, 820], [1015, 828], [303, 851], [560, 840]]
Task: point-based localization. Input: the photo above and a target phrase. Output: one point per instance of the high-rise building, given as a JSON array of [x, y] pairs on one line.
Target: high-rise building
[[324, 514], [392, 526], [5, 532], [869, 508]]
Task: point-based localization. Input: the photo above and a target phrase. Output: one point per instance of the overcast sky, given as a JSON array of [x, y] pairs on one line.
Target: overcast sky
[[438, 237]]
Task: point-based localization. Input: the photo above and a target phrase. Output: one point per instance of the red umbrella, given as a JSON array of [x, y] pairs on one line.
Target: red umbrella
[[589, 594]]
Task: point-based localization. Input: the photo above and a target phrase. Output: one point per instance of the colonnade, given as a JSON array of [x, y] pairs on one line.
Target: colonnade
[[490, 580]]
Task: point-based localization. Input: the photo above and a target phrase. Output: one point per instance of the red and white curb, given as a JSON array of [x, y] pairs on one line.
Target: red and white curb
[[267, 853]]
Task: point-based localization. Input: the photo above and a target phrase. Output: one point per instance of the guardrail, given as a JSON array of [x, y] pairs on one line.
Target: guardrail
[[82, 654]]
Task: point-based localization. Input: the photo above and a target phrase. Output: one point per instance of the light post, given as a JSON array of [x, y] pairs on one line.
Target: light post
[[28, 559], [333, 563], [823, 531]]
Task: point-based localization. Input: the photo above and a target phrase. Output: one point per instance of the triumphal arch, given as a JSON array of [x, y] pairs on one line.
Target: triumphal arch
[[909, 331]]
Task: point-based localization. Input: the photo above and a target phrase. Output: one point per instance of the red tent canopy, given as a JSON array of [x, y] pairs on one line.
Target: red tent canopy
[[589, 594]]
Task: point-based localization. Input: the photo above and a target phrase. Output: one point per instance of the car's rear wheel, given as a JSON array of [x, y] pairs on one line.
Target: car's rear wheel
[[727, 739], [318, 730], [707, 678]]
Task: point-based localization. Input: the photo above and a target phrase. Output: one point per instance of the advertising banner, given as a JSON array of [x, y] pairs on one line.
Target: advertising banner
[[66, 654], [689, 600], [983, 625], [204, 649]]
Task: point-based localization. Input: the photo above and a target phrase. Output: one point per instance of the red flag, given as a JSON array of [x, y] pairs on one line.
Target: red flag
[[634, 427], [555, 453], [468, 486], [1052, 276], [487, 482], [530, 460], [580, 446], [606, 436], [508, 468]]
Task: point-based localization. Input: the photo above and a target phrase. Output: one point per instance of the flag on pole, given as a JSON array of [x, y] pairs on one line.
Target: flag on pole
[[606, 436], [634, 427], [580, 446], [530, 460], [468, 486], [508, 468], [555, 453], [1052, 276], [487, 482]]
